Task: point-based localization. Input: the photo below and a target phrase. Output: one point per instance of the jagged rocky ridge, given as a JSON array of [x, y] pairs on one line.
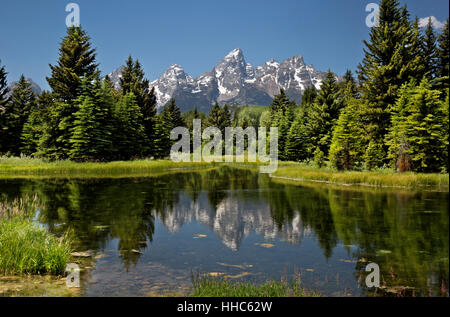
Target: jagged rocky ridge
[[233, 81]]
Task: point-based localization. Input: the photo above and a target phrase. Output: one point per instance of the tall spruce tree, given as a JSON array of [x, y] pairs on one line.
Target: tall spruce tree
[[443, 59], [15, 115], [129, 138], [169, 118], [133, 80], [309, 96], [429, 50], [161, 138], [280, 103], [297, 140], [324, 113], [92, 132], [76, 61], [347, 148], [417, 139], [3, 87], [37, 123], [215, 117], [225, 118], [391, 58], [282, 113], [3, 101], [173, 113]]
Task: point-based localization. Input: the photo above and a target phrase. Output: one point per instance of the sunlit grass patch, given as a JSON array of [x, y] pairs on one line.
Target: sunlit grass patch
[[209, 286], [372, 178], [26, 248]]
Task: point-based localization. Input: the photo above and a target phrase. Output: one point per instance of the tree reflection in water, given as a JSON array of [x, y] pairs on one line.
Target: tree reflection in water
[[405, 232]]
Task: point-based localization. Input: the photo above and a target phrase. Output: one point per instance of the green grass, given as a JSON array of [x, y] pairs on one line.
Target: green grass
[[37, 167], [380, 178], [219, 287], [289, 171], [26, 248]]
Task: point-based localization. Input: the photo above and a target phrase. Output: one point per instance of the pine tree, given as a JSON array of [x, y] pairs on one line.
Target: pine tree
[[15, 115], [129, 135], [429, 50], [282, 113], [32, 131], [161, 139], [3, 87], [349, 87], [324, 113], [169, 118], [40, 131], [374, 155], [91, 137], [133, 80], [173, 113], [445, 130], [283, 123], [442, 67], [319, 157], [309, 96], [392, 58], [347, 149], [76, 61], [418, 129], [297, 141], [224, 118], [189, 118], [280, 103], [3, 101], [417, 138], [215, 117]]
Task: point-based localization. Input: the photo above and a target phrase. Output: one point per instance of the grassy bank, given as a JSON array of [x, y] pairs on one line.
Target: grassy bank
[[217, 287], [26, 248], [37, 167], [289, 171], [298, 172]]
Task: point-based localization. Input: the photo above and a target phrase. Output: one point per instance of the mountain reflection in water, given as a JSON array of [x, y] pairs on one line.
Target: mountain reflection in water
[[333, 232]]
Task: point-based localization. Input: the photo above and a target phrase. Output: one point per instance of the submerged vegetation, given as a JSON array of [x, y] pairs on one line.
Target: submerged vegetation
[[25, 247]]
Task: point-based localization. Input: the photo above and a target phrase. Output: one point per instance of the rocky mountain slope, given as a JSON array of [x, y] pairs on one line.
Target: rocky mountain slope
[[233, 81]]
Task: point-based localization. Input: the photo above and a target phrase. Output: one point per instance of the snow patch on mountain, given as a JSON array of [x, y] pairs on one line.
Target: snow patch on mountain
[[234, 81]]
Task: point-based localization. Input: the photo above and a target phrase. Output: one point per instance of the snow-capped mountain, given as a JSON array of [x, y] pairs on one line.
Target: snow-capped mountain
[[234, 81]]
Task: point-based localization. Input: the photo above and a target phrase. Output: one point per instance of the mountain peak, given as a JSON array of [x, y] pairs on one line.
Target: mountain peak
[[234, 81], [236, 54], [176, 66]]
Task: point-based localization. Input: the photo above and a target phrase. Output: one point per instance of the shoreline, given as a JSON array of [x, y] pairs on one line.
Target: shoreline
[[18, 168]]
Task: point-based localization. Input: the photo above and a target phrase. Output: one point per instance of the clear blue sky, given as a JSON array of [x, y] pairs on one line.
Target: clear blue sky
[[195, 34]]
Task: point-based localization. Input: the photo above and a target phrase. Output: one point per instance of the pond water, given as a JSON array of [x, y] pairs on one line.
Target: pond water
[[149, 236]]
